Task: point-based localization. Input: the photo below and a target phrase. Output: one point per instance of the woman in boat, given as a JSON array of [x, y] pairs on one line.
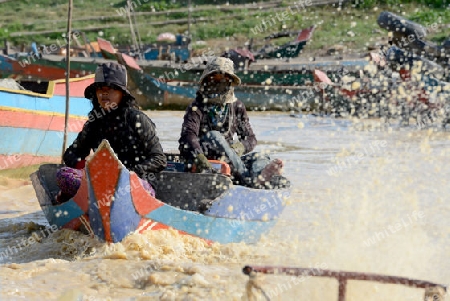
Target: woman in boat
[[115, 117], [213, 119]]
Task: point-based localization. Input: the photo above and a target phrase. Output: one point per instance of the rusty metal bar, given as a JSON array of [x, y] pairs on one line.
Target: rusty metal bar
[[342, 277], [342, 289]]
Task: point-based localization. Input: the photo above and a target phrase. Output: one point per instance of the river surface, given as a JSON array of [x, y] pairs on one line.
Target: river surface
[[366, 197]]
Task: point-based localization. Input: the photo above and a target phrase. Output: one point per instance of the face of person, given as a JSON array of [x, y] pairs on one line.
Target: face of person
[[217, 84], [108, 97]]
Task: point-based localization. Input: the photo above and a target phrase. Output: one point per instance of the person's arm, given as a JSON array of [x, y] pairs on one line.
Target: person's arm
[[244, 129], [80, 147], [189, 141], [153, 159]]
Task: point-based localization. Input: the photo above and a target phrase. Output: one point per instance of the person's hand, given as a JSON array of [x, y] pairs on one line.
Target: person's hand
[[202, 164], [239, 148]]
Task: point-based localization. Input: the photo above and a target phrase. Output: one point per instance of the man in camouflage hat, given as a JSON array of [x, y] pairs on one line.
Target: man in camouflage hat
[[212, 120], [218, 81]]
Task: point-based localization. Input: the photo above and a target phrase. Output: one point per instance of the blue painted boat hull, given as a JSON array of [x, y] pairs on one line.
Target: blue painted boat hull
[[118, 205]]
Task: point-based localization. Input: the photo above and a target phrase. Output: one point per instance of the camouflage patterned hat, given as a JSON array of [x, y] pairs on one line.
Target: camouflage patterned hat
[[221, 65]]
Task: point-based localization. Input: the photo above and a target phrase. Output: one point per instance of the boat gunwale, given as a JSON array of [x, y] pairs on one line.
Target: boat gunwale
[[40, 112], [50, 89]]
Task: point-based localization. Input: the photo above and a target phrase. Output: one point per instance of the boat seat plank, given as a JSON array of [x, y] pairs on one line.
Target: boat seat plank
[[187, 190], [47, 177]]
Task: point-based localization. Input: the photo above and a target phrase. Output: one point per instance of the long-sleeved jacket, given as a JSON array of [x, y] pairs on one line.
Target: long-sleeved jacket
[[196, 124], [132, 136]]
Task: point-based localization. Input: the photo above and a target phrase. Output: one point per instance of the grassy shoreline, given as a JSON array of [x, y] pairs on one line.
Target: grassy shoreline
[[19, 173], [354, 29]]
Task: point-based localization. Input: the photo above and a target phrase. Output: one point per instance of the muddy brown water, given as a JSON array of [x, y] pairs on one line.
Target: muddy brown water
[[366, 197]]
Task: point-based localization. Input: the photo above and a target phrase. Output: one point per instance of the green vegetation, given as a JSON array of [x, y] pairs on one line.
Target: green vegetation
[[371, 3], [22, 173], [353, 25]]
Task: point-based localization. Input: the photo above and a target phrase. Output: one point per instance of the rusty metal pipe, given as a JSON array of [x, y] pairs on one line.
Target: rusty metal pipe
[[342, 277]]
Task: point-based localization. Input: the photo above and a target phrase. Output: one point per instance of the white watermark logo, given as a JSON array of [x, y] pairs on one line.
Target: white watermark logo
[[33, 56], [394, 228], [372, 149], [131, 5], [27, 242], [280, 17]]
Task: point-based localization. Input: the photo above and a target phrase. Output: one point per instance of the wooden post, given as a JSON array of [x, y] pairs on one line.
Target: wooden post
[[7, 50], [133, 33], [189, 29], [85, 53], [139, 41], [68, 35], [89, 48], [189, 18]]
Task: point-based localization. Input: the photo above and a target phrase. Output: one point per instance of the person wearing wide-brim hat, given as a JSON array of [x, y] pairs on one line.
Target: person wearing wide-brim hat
[[218, 80], [114, 76], [213, 119], [115, 117]]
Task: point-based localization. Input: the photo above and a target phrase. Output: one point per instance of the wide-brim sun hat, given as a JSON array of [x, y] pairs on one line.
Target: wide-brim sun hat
[[109, 74], [221, 65]]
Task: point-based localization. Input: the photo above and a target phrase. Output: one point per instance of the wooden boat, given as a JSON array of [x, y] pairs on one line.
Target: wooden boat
[[30, 69], [266, 72], [423, 69], [32, 124], [272, 85], [254, 75], [410, 36], [112, 203], [289, 50], [159, 94], [177, 49], [178, 52], [154, 93], [46, 67], [416, 92]]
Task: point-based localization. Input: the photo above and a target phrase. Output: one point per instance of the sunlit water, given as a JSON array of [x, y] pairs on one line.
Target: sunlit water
[[366, 197]]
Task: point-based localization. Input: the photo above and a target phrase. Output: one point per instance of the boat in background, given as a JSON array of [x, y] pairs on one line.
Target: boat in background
[[158, 94], [176, 49], [39, 69], [167, 46], [400, 82], [289, 50], [32, 124], [410, 37], [266, 72], [111, 203], [410, 90], [176, 92], [46, 67]]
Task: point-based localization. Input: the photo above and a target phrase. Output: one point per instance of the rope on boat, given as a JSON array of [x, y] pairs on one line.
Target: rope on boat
[[253, 284], [433, 291], [87, 226]]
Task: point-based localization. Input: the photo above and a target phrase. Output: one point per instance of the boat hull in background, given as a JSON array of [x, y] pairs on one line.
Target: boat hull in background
[[32, 124]]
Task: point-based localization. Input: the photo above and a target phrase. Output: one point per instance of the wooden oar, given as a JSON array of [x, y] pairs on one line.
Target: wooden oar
[[66, 117]]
